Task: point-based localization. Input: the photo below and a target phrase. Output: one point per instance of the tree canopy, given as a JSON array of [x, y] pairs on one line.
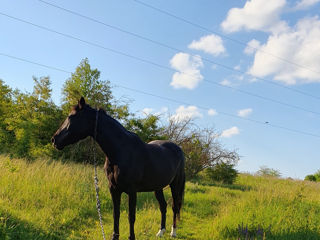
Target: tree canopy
[[28, 121]]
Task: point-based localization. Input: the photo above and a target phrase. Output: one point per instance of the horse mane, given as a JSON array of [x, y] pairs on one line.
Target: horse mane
[[108, 117], [116, 122]]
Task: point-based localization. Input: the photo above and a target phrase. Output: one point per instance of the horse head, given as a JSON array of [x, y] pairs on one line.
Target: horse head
[[77, 126]]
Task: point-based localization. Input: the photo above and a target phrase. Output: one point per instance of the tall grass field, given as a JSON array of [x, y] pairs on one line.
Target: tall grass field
[[43, 200]]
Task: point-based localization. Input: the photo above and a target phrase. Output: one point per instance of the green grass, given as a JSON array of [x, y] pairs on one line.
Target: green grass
[[51, 200]]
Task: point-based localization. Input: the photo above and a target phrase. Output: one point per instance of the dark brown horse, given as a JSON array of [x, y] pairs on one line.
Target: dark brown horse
[[132, 166]]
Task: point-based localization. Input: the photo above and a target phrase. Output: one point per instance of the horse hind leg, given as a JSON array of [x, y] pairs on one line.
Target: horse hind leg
[[132, 213], [163, 209], [177, 191]]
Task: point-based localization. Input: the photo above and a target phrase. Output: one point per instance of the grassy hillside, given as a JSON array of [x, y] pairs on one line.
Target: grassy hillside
[[50, 200]]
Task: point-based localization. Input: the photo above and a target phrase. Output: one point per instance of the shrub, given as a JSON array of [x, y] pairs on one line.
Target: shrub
[[222, 172], [268, 172], [313, 177], [310, 178]]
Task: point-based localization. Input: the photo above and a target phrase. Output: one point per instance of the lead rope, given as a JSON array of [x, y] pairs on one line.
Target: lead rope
[[96, 180]]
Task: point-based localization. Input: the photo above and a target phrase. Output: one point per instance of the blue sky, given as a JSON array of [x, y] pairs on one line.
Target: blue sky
[[284, 58]]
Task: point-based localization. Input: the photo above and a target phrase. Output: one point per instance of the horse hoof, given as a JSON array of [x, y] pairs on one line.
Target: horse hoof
[[161, 232], [115, 236], [173, 232]]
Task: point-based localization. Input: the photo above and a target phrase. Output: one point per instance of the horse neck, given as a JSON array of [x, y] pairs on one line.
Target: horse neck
[[111, 136]]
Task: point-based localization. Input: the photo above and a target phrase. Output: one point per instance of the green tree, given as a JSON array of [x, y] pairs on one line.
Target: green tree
[[6, 136], [268, 172], [85, 82], [33, 118], [146, 128]]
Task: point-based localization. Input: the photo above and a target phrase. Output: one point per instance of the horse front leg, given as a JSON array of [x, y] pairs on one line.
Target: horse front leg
[[116, 199], [132, 213]]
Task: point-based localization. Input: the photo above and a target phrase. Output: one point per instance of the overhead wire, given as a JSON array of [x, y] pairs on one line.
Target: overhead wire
[[147, 61], [34, 63], [157, 64], [173, 100], [177, 49], [220, 112], [220, 34]]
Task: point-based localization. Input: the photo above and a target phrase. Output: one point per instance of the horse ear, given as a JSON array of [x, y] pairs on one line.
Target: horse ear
[[81, 103]]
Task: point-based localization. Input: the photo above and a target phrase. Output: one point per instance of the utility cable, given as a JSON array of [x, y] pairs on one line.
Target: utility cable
[[173, 100], [156, 64], [220, 34], [179, 50]]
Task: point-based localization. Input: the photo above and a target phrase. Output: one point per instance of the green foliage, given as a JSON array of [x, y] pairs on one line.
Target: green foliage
[[28, 121], [317, 175], [196, 154], [32, 119], [314, 177], [146, 128], [49, 200], [6, 136], [85, 82], [310, 178], [268, 172], [222, 172]]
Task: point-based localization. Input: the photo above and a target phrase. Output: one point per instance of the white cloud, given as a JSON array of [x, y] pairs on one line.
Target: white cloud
[[226, 82], [256, 15], [230, 132], [164, 110], [304, 4], [244, 112], [189, 74], [252, 47], [183, 113], [211, 44], [300, 45], [212, 112], [147, 111]]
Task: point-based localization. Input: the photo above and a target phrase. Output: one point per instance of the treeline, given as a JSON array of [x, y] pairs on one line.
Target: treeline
[[29, 119]]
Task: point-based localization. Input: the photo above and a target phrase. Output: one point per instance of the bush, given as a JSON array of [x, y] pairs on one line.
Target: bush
[[264, 171], [313, 177], [222, 172], [310, 178], [317, 176]]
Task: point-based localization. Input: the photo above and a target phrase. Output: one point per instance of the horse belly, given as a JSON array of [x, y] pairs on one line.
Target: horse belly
[[156, 178]]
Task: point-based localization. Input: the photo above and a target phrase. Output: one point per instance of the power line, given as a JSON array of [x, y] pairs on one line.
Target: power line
[[262, 97], [174, 48], [155, 64], [34, 63], [221, 35], [222, 113], [171, 99]]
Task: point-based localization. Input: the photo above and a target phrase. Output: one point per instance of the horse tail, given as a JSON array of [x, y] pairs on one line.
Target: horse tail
[[181, 185], [181, 191]]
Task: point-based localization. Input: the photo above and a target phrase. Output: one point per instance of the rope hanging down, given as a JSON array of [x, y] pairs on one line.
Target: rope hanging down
[[96, 180]]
